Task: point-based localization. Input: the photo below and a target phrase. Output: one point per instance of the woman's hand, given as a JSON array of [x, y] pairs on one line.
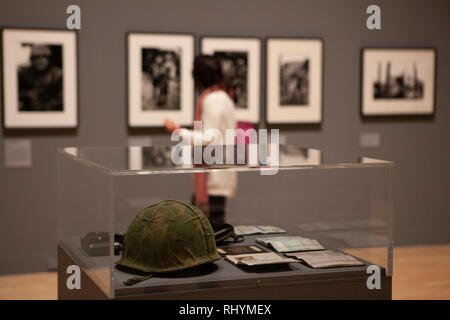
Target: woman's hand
[[170, 125]]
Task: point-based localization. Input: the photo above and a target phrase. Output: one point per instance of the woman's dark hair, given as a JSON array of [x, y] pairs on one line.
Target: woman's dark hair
[[207, 71]]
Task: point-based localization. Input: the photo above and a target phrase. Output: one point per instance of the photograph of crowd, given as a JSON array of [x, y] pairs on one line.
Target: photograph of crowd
[[397, 81], [160, 79], [40, 77], [234, 69], [294, 85]]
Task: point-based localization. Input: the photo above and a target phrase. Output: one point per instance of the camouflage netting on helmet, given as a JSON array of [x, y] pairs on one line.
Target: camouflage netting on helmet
[[168, 236]]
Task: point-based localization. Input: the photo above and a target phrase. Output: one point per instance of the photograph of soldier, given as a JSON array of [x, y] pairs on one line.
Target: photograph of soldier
[[160, 79], [234, 69], [40, 77], [397, 81], [294, 82]]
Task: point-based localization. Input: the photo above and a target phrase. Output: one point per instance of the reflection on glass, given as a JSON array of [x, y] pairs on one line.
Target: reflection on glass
[[129, 160]]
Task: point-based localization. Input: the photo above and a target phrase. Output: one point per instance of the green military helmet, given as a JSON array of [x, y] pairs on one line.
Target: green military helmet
[[168, 236]]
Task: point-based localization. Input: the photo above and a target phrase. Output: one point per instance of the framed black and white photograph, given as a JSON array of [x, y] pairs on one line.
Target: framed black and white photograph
[[291, 155], [241, 60], [398, 82], [160, 83], [140, 157], [294, 81], [39, 78]]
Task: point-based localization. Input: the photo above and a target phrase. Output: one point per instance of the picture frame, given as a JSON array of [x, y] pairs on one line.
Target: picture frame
[[241, 60], [294, 155], [146, 157], [160, 83], [398, 82], [294, 80], [40, 80]]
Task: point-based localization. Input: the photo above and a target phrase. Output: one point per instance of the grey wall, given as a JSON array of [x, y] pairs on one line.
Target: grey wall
[[420, 147]]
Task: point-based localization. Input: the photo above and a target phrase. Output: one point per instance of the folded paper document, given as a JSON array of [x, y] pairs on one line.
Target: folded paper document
[[290, 243]]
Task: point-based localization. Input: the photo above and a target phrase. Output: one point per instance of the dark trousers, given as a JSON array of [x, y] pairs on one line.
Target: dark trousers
[[216, 209]]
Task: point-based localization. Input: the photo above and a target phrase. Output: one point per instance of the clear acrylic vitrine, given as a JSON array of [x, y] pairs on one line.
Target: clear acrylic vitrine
[[344, 202]]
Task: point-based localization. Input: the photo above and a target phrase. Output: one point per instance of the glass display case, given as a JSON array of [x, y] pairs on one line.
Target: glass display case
[[343, 202]]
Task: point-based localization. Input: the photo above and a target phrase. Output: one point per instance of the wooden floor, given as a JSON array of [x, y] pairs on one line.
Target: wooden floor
[[419, 273]]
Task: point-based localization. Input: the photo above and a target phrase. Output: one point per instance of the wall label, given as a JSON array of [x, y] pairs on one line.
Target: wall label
[[17, 153]]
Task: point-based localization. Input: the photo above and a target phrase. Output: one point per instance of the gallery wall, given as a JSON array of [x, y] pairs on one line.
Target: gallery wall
[[419, 146]]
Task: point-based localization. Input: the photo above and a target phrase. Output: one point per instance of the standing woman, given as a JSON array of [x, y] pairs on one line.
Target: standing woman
[[215, 109]]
